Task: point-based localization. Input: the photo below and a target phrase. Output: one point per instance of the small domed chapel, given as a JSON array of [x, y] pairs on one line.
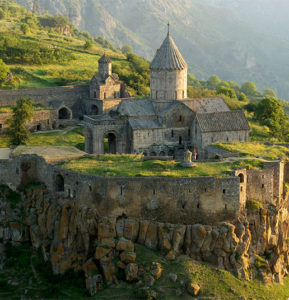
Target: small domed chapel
[[165, 124]]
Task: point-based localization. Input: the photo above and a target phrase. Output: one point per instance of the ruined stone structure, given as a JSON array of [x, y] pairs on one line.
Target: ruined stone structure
[[168, 122]]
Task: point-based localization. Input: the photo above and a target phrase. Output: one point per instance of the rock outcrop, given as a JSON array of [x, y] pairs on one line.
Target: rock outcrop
[[76, 237]]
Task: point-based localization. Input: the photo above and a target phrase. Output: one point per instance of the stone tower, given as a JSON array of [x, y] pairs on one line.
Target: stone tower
[[168, 74], [104, 67]]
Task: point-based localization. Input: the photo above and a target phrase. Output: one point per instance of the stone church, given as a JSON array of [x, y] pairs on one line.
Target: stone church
[[166, 123]]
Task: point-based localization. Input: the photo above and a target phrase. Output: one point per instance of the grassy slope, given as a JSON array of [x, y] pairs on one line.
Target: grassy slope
[[257, 150], [81, 69], [74, 138], [42, 284], [132, 165]]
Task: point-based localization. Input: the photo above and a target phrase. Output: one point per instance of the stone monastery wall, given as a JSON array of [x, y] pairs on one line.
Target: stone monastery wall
[[175, 200], [55, 96]]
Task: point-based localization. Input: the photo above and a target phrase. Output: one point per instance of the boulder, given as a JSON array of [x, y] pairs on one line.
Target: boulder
[[109, 270], [128, 257], [149, 280], [131, 272], [156, 270], [102, 251], [193, 289], [124, 244], [173, 277]]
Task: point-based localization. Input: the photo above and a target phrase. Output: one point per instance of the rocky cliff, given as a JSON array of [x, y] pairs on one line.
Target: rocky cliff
[[76, 237]]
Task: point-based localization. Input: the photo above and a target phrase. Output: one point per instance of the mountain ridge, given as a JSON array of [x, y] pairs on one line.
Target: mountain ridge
[[212, 39]]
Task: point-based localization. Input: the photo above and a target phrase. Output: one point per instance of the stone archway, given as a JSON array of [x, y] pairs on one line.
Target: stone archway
[[110, 143], [64, 113], [94, 110]]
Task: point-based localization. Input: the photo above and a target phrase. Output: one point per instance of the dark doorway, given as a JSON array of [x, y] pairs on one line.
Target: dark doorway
[[64, 114], [59, 183], [38, 127], [110, 143], [94, 110], [180, 140], [242, 178]]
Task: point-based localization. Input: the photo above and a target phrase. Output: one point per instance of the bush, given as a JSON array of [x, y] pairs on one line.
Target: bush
[[253, 205], [87, 45]]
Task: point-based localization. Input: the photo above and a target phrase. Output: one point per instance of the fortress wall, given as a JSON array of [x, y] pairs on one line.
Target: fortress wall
[[260, 185], [174, 200], [278, 177], [55, 96], [44, 118]]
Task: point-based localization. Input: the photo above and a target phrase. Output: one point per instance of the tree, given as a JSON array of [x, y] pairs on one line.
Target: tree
[[249, 88], [270, 112], [242, 97], [3, 72], [269, 93], [213, 81], [227, 92], [22, 113], [24, 28], [87, 45], [126, 49]]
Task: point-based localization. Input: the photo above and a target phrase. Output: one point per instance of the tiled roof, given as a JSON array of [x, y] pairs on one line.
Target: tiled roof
[[234, 120], [136, 108], [104, 59], [142, 124], [168, 57], [206, 105]]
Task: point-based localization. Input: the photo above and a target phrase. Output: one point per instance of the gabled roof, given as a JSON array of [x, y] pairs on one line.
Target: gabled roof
[[172, 106], [234, 120], [143, 124], [105, 59], [206, 105], [136, 108], [168, 57]]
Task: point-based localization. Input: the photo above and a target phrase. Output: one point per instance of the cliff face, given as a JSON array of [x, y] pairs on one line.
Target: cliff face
[[76, 237]]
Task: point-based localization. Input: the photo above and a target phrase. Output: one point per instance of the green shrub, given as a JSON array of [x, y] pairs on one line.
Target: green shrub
[[254, 205]]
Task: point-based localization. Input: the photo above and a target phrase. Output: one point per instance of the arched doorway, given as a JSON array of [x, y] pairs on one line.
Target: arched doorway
[[110, 143], [242, 178], [64, 114], [59, 183], [94, 110]]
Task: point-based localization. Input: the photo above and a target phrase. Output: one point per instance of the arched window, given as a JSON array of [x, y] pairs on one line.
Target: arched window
[[189, 132], [180, 118], [59, 183], [180, 140], [242, 178], [172, 133]]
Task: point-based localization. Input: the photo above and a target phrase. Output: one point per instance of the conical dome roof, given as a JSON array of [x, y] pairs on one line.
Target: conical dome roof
[[105, 59], [168, 57]]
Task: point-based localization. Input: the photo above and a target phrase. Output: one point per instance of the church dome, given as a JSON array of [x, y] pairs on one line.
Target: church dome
[[105, 59], [168, 57]]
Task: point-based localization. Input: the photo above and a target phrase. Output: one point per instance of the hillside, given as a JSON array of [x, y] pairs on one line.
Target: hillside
[[45, 51], [214, 40]]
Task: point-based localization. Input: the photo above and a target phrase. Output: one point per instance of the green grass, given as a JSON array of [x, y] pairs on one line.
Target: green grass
[[133, 166], [254, 149], [74, 138], [214, 283]]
